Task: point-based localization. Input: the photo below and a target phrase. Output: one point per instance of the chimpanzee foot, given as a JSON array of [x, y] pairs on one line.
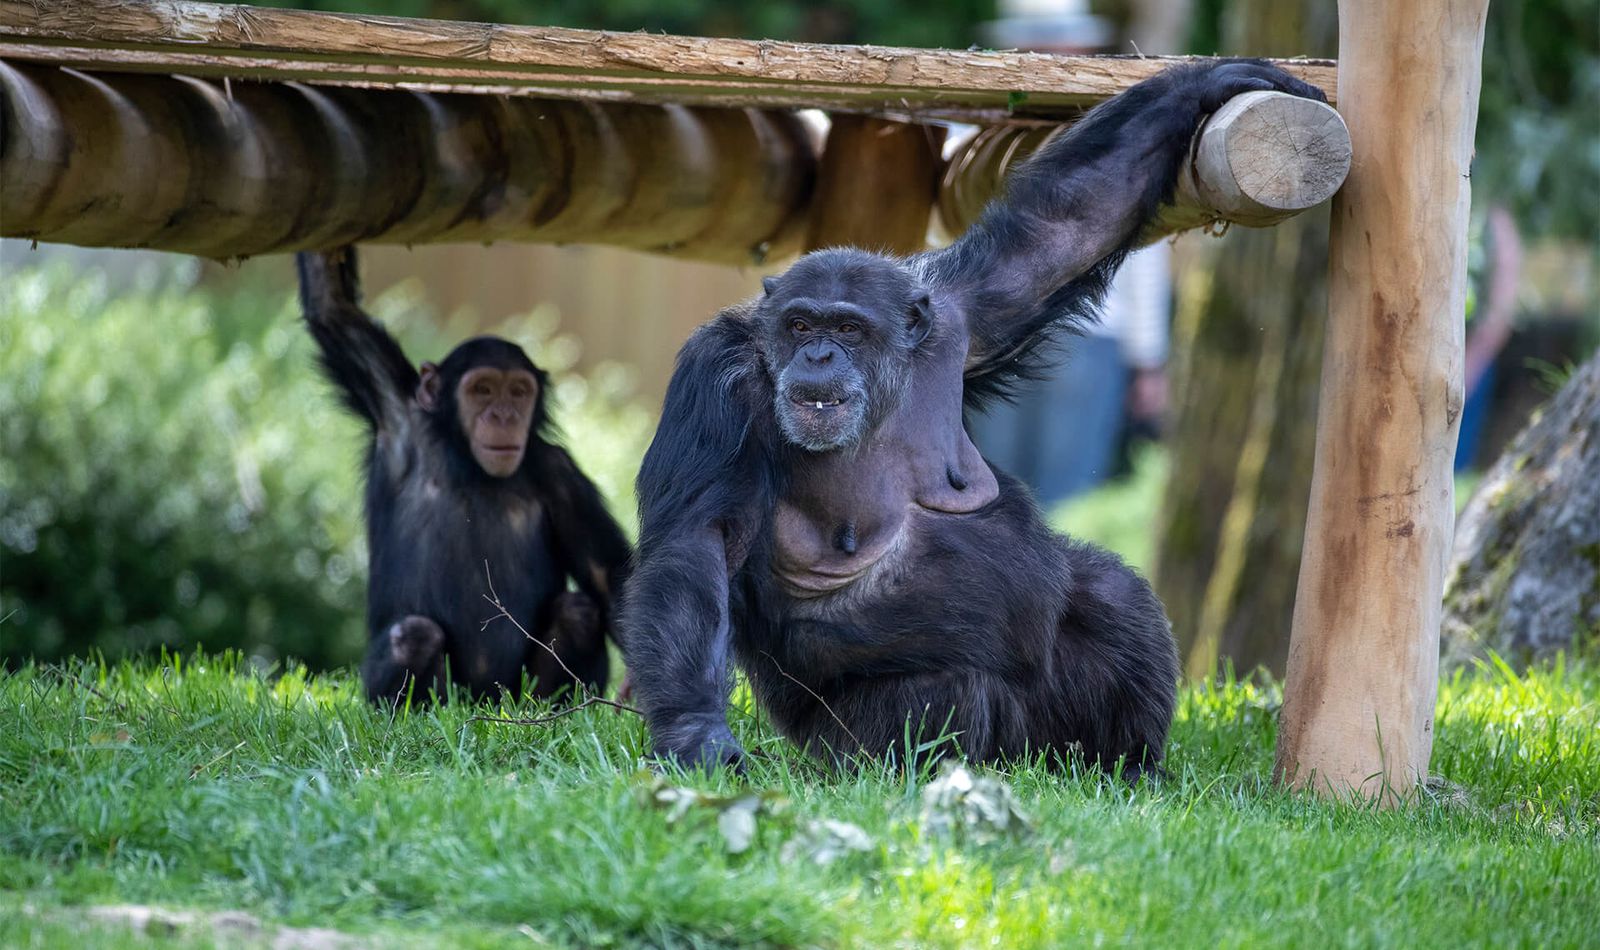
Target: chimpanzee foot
[[574, 618], [415, 642], [571, 655]]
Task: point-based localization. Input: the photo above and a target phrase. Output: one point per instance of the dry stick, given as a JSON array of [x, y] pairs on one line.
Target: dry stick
[[223, 755], [540, 720], [785, 674], [116, 706], [493, 598]]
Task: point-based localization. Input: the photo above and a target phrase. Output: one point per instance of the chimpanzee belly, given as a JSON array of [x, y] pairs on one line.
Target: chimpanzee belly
[[452, 553], [943, 609], [927, 570]]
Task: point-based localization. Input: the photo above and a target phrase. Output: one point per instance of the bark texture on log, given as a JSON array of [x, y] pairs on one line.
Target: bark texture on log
[[1358, 706], [875, 185], [182, 164], [234, 169], [1525, 575], [215, 40]]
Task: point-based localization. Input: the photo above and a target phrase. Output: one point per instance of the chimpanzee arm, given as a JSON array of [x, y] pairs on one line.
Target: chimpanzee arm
[[1039, 258], [372, 373], [706, 477], [589, 543]]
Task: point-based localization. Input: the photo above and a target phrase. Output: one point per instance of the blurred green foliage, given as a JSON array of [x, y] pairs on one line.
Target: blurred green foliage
[[174, 473], [1538, 142], [1538, 137]]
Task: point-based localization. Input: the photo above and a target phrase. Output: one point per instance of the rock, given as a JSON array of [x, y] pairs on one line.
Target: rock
[[1524, 578], [228, 927]]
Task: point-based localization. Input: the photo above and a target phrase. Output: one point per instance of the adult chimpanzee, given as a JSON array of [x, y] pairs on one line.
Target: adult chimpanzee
[[463, 489], [812, 506]]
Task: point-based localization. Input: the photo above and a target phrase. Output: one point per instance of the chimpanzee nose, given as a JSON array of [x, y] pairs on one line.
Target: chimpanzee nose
[[819, 356]]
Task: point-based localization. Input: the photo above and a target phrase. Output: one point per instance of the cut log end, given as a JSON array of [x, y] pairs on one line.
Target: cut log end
[[1266, 155], [1261, 158]]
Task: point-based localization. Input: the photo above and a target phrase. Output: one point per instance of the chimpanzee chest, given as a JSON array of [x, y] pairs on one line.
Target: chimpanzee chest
[[826, 542], [846, 510]]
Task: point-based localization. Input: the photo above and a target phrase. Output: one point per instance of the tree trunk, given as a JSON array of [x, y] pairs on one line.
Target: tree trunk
[[1525, 576], [1248, 339]]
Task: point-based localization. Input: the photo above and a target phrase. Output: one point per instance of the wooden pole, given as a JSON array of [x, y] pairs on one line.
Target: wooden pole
[[1363, 657], [875, 185]]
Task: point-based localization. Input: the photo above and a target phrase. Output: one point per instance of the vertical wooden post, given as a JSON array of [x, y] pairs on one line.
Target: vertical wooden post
[[1363, 657], [876, 185]]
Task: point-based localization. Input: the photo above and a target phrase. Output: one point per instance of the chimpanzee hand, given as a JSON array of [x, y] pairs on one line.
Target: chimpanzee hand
[[699, 741], [1217, 84]]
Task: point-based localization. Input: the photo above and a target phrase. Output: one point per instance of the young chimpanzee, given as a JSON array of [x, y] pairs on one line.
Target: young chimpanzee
[[463, 490], [813, 509]]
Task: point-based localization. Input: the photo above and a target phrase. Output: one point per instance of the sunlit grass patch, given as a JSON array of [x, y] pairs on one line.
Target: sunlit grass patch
[[204, 784]]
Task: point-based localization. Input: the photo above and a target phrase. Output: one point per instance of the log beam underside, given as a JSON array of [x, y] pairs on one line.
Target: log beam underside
[[231, 169]]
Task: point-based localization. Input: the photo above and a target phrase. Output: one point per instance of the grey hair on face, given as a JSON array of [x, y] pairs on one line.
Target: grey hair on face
[[813, 436]]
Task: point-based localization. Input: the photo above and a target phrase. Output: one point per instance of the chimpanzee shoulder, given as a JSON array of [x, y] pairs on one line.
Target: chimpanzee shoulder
[[717, 459]]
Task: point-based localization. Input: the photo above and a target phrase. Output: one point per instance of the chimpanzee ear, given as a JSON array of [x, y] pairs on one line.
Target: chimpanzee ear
[[768, 285], [428, 387], [919, 319]]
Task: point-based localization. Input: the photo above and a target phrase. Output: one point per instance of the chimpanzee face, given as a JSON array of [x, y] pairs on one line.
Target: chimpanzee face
[[495, 408], [493, 394], [838, 330]]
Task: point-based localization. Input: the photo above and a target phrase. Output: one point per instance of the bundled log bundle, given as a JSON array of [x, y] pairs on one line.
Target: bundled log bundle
[[229, 131]]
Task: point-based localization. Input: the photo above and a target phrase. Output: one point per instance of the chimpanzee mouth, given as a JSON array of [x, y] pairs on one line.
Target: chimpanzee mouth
[[833, 403]]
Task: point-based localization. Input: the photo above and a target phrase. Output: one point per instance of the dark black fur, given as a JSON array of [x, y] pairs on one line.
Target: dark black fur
[[439, 528], [977, 619]]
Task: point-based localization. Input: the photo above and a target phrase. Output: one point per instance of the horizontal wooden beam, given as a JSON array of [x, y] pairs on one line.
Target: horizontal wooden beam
[[243, 42], [219, 170], [182, 164]]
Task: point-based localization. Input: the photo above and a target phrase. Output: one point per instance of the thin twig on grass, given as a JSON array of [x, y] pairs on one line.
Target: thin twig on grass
[[493, 597], [541, 720], [116, 706], [220, 756], [785, 674]]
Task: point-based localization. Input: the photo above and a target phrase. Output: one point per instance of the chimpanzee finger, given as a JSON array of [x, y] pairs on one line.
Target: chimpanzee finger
[[1277, 78], [1223, 88]]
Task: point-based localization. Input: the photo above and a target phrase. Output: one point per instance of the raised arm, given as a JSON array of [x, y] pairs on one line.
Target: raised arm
[[370, 370], [1040, 256], [703, 481]]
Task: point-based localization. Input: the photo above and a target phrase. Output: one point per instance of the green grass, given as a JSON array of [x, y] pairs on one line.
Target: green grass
[[203, 785]]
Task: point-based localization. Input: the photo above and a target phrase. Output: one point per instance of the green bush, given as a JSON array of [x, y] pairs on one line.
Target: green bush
[[173, 472]]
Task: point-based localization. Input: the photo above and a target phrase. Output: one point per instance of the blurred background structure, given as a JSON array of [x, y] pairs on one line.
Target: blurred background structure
[[195, 485]]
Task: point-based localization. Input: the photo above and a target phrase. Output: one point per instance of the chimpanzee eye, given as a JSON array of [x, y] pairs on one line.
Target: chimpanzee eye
[[480, 389], [848, 328], [800, 326]]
